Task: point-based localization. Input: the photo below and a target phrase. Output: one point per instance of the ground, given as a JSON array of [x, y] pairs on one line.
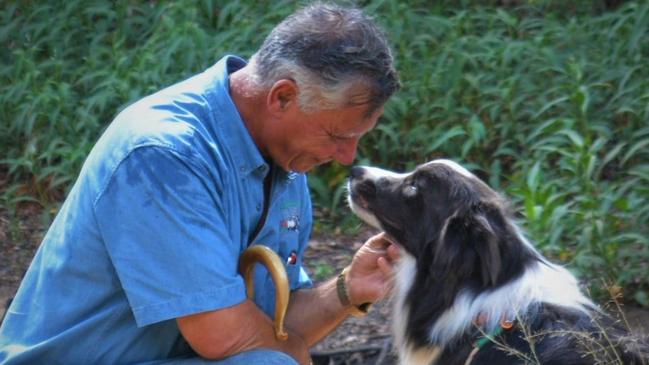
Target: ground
[[357, 341]]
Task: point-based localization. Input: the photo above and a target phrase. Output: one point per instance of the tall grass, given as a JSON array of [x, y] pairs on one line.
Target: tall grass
[[553, 112], [548, 102], [70, 66]]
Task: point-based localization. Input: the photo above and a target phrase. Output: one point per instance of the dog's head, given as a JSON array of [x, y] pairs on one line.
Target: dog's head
[[440, 212]]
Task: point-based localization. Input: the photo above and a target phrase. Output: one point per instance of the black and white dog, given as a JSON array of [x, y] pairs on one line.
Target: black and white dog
[[470, 289]]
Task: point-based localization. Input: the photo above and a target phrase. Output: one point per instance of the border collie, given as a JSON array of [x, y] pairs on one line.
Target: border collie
[[470, 289]]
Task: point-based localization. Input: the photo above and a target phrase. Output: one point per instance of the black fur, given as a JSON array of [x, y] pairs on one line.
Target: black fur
[[464, 239]]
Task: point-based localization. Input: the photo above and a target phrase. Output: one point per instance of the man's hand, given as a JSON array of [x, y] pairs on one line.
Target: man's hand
[[370, 275]]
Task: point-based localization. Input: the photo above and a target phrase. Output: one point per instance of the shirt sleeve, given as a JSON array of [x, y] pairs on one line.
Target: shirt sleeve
[[162, 220]]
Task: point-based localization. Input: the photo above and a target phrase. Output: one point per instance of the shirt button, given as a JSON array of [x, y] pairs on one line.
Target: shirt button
[[258, 207]]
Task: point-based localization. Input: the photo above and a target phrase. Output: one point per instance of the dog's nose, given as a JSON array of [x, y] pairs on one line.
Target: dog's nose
[[357, 172]]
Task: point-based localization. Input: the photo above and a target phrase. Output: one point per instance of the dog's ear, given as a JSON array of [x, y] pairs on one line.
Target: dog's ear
[[470, 244]]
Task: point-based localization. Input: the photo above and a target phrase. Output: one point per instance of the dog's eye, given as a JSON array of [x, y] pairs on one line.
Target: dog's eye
[[410, 190]]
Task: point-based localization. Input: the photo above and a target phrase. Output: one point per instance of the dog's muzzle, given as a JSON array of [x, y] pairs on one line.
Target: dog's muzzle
[[362, 191]]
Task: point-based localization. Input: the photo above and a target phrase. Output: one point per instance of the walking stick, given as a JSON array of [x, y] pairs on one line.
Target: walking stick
[[275, 267]]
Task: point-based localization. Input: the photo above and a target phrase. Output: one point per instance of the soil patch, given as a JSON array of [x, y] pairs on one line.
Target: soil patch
[[20, 236]]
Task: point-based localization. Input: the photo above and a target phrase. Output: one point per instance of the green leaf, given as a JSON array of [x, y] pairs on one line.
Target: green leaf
[[438, 141], [574, 137], [534, 177]]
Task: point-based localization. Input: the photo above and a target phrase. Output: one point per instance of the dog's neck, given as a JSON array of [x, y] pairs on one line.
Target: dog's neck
[[541, 282]]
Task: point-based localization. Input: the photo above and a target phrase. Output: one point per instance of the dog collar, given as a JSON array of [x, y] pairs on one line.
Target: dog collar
[[505, 325]]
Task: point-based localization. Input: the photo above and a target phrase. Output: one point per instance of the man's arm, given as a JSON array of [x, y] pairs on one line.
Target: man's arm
[[221, 333], [312, 313], [228, 331]]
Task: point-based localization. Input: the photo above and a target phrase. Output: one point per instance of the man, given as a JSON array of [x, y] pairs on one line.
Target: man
[[140, 264]]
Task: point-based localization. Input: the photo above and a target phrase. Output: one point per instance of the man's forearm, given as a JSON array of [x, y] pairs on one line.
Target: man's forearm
[[314, 313], [228, 331]]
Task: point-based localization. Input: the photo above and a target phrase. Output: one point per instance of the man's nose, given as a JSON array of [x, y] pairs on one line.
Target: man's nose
[[346, 151]]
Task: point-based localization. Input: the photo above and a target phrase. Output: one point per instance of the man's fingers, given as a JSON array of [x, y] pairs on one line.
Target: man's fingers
[[379, 241], [394, 252], [376, 244], [385, 267]]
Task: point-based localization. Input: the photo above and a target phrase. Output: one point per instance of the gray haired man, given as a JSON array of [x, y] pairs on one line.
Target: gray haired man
[[140, 264]]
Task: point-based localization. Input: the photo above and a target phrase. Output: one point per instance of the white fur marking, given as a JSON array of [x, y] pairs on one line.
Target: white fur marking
[[375, 173], [454, 165], [408, 355], [544, 282]]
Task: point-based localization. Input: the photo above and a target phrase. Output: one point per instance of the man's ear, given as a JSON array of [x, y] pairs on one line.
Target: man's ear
[[282, 96]]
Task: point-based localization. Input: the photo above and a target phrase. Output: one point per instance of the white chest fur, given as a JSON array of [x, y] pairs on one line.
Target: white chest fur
[[408, 355]]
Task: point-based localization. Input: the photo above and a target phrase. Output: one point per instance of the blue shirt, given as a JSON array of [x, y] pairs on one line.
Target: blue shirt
[[153, 229]]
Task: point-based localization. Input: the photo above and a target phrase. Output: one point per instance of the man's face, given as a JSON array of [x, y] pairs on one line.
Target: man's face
[[305, 140]]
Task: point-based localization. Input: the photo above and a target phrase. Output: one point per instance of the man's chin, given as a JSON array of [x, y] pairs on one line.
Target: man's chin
[[303, 169], [303, 166], [307, 166]]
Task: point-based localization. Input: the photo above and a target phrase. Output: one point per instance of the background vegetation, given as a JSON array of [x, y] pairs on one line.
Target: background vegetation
[[546, 100]]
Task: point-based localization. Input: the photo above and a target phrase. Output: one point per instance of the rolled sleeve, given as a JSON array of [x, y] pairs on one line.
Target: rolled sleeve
[[165, 230]]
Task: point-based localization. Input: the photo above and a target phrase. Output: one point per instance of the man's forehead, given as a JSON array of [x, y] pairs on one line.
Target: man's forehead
[[363, 123]]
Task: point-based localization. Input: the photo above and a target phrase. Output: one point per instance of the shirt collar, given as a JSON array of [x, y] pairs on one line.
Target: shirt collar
[[229, 121]]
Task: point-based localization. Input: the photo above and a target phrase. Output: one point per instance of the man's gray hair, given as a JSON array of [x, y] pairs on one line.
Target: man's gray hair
[[328, 50]]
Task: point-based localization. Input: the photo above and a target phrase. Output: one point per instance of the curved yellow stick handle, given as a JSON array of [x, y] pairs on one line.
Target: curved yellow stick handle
[[275, 267]]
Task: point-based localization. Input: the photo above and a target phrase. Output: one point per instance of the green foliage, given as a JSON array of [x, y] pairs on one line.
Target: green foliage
[[70, 66], [546, 100], [553, 112]]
